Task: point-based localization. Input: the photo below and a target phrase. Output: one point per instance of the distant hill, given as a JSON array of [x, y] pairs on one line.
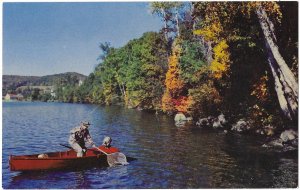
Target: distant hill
[[12, 82]]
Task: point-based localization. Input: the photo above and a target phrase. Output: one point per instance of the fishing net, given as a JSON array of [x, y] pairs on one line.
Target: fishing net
[[117, 158]]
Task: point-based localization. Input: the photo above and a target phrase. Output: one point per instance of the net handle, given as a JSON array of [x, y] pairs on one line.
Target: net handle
[[111, 160], [101, 151]]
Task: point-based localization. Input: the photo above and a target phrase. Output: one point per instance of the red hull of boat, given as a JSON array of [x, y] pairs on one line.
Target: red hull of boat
[[59, 160]]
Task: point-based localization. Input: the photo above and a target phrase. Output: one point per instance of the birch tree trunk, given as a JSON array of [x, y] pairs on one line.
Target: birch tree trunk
[[177, 22], [165, 23], [193, 17], [286, 85], [209, 55]]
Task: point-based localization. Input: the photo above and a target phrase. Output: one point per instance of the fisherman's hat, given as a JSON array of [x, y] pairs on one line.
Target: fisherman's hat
[[86, 123]]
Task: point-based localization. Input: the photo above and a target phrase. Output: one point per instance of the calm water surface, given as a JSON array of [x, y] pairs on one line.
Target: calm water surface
[[167, 156]]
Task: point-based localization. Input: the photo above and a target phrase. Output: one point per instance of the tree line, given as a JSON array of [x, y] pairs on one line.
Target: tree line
[[235, 58]]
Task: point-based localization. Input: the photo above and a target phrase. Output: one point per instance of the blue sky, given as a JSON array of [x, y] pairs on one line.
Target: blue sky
[[49, 38]]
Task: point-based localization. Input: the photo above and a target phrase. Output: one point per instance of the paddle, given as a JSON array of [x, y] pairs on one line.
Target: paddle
[[113, 159], [66, 146]]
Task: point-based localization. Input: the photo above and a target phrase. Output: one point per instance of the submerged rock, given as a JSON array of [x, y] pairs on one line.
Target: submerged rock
[[180, 123], [276, 143], [294, 142], [289, 148]]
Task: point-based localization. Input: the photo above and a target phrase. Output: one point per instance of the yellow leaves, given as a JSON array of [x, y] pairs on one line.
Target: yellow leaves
[[272, 8], [248, 7], [214, 32], [210, 32], [220, 63]]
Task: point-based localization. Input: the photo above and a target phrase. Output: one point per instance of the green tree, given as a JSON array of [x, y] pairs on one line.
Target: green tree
[[35, 94]]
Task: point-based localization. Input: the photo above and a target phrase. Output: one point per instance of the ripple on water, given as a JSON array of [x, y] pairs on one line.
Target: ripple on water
[[167, 156]]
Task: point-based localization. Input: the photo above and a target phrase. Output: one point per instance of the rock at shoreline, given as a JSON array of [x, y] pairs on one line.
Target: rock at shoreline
[[210, 121], [222, 119], [219, 122], [288, 135], [202, 122], [240, 126], [288, 141], [179, 117]]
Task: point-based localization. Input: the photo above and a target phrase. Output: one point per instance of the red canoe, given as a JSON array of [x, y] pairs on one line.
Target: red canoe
[[59, 160]]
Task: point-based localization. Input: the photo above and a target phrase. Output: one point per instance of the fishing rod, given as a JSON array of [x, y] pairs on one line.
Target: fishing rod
[[90, 113]]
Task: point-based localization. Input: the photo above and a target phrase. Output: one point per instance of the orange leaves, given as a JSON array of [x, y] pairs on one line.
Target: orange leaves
[[179, 104], [173, 83], [182, 103], [273, 9], [167, 103], [260, 89], [173, 100]]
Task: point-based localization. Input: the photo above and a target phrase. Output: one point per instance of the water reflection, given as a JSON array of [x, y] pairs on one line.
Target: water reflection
[[180, 123], [81, 180], [35, 179], [167, 156], [53, 179]]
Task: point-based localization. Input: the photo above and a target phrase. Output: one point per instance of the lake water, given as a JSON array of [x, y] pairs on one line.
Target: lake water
[[166, 156]]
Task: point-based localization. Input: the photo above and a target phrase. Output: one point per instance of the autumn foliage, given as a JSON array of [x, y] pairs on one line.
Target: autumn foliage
[[173, 82], [220, 63], [173, 100], [209, 58]]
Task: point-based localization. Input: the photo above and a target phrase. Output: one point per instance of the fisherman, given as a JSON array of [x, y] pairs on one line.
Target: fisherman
[[78, 138]]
